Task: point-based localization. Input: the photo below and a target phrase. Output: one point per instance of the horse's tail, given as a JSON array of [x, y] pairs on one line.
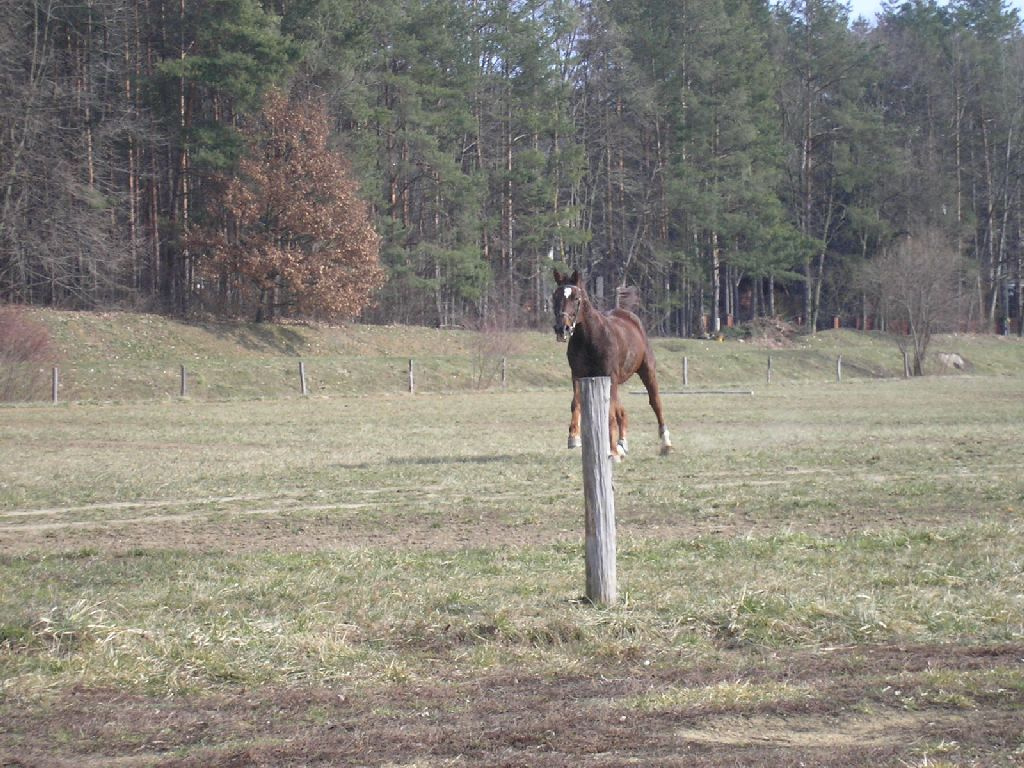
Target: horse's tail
[[627, 297]]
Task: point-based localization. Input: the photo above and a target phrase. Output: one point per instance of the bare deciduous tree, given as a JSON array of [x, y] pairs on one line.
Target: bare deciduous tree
[[916, 284]]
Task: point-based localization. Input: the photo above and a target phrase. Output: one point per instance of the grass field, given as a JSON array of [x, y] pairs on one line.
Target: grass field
[[821, 574]]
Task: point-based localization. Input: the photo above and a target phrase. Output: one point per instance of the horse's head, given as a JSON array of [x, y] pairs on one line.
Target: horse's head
[[567, 301]]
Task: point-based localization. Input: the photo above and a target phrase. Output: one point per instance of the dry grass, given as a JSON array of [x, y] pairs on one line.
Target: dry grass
[[129, 357], [843, 558]]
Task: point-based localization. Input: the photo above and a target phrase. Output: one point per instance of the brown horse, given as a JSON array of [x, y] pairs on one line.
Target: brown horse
[[611, 344]]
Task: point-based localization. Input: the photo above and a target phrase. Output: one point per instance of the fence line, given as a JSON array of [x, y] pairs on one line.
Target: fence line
[[440, 373]]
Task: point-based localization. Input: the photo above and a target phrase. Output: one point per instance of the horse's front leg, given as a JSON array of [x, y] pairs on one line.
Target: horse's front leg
[[623, 424], [616, 420], [574, 421]]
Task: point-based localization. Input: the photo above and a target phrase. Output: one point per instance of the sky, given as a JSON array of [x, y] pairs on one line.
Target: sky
[[868, 8]]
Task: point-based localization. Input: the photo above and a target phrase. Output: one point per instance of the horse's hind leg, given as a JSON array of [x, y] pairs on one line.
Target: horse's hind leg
[[574, 420], [650, 380]]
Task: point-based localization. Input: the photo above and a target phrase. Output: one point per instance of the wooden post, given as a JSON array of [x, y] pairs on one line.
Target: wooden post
[[839, 369], [54, 383], [906, 365], [184, 382], [686, 371], [302, 378], [412, 377], [768, 375], [504, 372], [598, 494]]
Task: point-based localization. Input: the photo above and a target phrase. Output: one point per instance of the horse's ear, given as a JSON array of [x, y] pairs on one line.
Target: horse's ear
[[558, 277], [575, 279]]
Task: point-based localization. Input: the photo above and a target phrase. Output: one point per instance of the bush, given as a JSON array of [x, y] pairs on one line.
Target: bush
[[494, 342], [25, 351]]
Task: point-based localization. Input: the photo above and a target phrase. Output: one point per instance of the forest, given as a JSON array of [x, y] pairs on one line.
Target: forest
[[431, 161]]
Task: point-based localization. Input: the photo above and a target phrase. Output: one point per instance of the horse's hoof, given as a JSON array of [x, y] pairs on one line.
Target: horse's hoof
[[666, 442], [624, 445], [575, 442], [615, 458]]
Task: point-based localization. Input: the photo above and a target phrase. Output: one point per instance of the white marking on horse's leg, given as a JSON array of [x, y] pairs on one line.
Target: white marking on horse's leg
[[575, 441], [624, 445], [666, 441]]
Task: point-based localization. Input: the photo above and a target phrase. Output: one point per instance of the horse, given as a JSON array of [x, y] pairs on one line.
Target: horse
[[612, 344]]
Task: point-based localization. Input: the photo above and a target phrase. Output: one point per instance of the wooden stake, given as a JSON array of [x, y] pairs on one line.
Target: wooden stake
[[302, 378], [598, 494]]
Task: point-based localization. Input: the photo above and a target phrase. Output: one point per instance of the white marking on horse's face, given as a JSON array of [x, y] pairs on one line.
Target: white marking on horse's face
[[567, 292]]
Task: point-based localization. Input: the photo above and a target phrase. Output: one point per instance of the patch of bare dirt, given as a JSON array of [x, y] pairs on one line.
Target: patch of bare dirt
[[504, 719], [772, 333], [280, 525], [298, 521]]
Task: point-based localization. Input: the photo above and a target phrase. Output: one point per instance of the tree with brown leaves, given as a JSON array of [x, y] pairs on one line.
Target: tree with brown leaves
[[294, 236]]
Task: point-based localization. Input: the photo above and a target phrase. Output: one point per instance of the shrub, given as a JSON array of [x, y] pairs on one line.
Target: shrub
[[25, 350], [495, 340]]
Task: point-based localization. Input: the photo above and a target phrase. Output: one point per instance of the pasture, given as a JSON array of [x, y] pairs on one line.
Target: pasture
[[821, 574]]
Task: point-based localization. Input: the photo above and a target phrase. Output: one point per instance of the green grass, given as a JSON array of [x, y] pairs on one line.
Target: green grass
[[389, 544], [173, 621], [184, 544]]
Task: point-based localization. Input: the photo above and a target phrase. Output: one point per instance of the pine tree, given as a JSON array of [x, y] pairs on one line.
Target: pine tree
[[215, 61], [822, 60]]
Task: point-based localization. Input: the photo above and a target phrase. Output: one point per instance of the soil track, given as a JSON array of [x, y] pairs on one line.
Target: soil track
[[865, 710], [300, 521]]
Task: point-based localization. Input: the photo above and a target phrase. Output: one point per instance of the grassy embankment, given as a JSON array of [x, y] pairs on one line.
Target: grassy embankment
[[120, 356]]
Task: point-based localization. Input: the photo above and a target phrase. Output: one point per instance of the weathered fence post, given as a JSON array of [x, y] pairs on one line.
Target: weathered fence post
[[598, 495], [54, 383], [839, 369], [504, 373], [412, 377], [302, 378], [906, 365], [184, 382], [686, 371], [768, 374]]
